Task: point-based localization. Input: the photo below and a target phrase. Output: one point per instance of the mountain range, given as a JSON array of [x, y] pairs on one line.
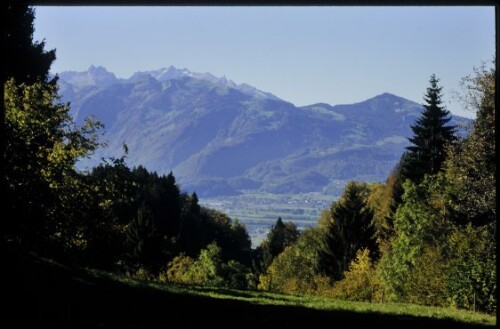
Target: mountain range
[[223, 138]]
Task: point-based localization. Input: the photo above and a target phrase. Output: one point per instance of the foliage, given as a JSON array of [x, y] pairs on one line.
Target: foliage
[[295, 270], [471, 177], [471, 283], [231, 236], [426, 283], [351, 229], [280, 236], [144, 243], [207, 270], [436, 230], [360, 282], [180, 222], [32, 62], [325, 218], [177, 269], [379, 200], [45, 192], [417, 225], [471, 167], [431, 136], [236, 275]]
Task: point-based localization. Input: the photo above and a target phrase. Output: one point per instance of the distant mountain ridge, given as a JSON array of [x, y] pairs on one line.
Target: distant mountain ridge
[[100, 77], [222, 138]]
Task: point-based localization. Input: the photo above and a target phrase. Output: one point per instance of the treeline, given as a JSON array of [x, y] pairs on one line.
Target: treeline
[[427, 235], [127, 220], [113, 217]]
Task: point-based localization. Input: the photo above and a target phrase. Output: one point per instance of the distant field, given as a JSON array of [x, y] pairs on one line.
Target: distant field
[[258, 211]]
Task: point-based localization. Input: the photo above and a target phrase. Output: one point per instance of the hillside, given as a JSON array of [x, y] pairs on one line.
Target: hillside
[[220, 138], [45, 293]]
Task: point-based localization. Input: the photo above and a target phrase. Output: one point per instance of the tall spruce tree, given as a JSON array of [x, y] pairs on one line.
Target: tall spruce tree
[[427, 151], [350, 230]]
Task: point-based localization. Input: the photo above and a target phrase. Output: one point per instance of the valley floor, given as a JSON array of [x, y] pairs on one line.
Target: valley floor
[[259, 211]]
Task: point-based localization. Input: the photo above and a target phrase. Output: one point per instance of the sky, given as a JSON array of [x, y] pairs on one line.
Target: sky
[[304, 55]]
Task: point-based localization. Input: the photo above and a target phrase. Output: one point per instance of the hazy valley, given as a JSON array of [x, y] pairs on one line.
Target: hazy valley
[[231, 143]]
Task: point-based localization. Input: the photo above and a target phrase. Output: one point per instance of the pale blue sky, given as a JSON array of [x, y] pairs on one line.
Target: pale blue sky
[[305, 55]]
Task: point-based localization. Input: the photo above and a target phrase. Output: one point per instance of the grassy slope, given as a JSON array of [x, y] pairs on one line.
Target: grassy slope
[[43, 293]]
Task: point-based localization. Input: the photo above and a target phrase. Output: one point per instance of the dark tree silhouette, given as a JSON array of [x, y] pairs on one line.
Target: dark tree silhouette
[[24, 59], [144, 243], [280, 236]]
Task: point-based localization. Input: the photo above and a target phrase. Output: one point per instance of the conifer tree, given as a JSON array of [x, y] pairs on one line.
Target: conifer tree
[[190, 232], [280, 236], [351, 229], [143, 242], [427, 151], [31, 60]]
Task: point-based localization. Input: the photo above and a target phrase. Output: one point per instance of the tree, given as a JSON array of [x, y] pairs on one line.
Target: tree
[[471, 178], [161, 194], [144, 243], [280, 236], [31, 60], [421, 229], [360, 282], [351, 229], [206, 270], [295, 270], [22, 59], [431, 137], [190, 230], [231, 236], [46, 195], [380, 201], [471, 282], [471, 165]]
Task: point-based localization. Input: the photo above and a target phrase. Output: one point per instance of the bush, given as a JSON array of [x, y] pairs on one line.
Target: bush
[[177, 270], [142, 274], [207, 270], [235, 275], [426, 284], [471, 283], [360, 282], [295, 269]]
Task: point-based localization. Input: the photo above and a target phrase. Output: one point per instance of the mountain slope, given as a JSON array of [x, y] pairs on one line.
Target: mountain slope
[[221, 138]]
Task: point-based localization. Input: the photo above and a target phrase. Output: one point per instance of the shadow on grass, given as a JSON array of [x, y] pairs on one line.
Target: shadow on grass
[[41, 294], [238, 293]]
